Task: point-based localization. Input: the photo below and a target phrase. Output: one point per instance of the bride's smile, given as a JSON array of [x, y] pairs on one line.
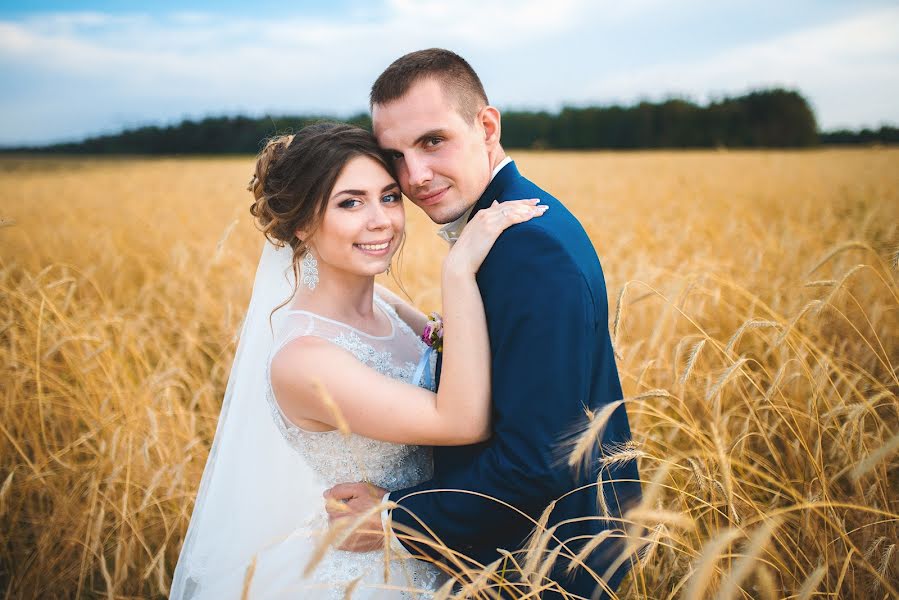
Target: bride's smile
[[375, 248]]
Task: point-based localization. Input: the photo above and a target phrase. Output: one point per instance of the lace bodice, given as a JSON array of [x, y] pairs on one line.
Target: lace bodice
[[338, 458]]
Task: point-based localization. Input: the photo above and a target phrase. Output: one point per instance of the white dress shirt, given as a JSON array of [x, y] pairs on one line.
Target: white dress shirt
[[449, 232]]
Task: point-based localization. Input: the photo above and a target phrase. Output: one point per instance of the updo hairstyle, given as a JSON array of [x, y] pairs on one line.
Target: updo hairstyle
[[295, 175]]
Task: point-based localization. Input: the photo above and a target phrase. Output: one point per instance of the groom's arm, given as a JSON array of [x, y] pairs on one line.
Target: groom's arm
[[541, 318]]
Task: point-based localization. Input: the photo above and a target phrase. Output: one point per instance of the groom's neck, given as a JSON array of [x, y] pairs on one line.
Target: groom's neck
[[496, 155]]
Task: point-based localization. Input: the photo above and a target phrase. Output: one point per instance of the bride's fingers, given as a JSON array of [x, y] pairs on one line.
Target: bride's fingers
[[516, 209], [493, 221], [518, 214], [521, 202], [336, 508], [344, 491]]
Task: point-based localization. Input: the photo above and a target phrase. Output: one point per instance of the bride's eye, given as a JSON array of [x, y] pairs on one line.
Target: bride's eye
[[391, 198], [351, 203]]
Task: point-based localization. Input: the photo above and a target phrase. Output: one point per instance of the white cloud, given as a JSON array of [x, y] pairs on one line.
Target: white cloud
[[72, 74], [136, 64], [848, 69]]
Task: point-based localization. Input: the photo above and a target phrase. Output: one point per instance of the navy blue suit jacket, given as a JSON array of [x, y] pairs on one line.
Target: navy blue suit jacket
[[552, 360]]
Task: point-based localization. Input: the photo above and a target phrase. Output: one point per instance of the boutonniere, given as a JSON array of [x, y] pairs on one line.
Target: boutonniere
[[433, 333]]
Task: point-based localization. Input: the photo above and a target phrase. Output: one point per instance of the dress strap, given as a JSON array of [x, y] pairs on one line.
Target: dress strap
[[295, 325], [391, 313]]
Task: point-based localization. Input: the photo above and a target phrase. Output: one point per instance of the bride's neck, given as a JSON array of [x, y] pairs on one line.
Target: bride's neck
[[341, 296]]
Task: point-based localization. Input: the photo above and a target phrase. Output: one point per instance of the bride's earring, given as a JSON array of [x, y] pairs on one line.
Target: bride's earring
[[310, 270]]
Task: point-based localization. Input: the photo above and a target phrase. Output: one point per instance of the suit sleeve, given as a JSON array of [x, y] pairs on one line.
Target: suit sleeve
[[540, 317]]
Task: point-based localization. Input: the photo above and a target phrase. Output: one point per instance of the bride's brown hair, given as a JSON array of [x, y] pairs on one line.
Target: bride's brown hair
[[295, 175]]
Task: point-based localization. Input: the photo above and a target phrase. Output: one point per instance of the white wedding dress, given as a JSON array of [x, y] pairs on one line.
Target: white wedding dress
[[338, 458]]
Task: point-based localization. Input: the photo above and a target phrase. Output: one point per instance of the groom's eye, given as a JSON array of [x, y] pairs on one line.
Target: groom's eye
[[396, 155], [433, 141]]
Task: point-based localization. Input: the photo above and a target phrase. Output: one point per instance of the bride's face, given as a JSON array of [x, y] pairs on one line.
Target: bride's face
[[363, 221]]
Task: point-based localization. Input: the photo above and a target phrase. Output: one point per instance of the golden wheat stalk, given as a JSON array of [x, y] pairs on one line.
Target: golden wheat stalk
[[116, 344]]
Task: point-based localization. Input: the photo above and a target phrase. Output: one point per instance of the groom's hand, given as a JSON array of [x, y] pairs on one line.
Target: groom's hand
[[351, 501]]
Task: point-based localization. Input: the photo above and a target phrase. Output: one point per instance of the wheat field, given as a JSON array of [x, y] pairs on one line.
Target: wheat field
[[754, 302]]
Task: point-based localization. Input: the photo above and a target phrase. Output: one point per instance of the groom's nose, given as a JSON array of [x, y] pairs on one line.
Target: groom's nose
[[419, 171]]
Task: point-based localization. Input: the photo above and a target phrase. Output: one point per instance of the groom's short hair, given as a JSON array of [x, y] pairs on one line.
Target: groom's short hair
[[450, 70]]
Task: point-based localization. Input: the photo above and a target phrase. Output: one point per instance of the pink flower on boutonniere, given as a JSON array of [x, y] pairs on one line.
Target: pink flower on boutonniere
[[433, 333]]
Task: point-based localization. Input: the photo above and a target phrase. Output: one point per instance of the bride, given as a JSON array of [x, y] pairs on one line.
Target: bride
[[325, 384]]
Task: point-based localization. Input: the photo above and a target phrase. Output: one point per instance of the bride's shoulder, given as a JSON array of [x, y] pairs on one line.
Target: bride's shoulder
[[304, 359], [303, 346]]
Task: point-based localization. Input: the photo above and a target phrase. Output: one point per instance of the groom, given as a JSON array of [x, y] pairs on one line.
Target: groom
[[552, 359]]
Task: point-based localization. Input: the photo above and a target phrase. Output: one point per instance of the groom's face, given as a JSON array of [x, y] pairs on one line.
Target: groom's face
[[441, 159]]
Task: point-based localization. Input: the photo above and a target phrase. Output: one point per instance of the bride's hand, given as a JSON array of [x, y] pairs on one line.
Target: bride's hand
[[479, 235]]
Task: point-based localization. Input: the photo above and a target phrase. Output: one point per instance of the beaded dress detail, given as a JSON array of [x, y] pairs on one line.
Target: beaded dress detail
[[338, 458]]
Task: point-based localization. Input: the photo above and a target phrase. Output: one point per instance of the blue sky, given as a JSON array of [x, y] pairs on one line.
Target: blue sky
[[71, 69]]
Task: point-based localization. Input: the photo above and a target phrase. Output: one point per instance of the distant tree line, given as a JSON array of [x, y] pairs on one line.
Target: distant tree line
[[774, 118], [885, 135], [212, 135]]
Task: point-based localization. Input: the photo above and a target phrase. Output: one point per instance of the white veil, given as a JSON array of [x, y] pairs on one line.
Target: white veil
[[255, 488]]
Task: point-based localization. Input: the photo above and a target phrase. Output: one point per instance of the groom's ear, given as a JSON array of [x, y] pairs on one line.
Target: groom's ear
[[490, 120]]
